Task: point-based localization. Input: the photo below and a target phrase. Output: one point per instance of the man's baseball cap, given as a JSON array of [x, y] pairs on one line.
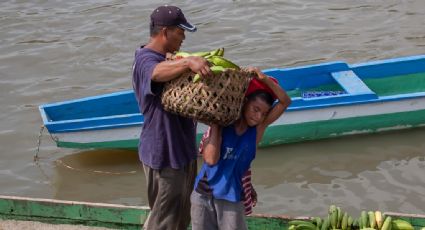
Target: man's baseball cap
[[170, 16]]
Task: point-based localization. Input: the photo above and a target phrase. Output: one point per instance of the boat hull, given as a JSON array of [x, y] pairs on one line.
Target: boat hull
[[328, 100]]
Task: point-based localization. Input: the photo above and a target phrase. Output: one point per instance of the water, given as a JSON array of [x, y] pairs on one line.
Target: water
[[58, 50]]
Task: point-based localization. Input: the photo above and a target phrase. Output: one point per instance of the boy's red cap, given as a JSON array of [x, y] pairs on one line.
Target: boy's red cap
[[256, 85]]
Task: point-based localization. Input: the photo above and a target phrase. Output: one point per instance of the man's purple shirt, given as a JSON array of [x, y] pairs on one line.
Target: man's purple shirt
[[167, 140]]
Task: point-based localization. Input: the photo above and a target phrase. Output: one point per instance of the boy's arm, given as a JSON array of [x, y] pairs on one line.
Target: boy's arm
[[283, 99], [211, 152], [283, 102]]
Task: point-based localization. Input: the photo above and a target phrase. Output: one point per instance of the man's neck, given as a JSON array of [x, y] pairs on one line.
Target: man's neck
[[156, 46]]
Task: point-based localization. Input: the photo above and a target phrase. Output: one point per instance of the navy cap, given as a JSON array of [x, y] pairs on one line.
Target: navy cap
[[170, 16]]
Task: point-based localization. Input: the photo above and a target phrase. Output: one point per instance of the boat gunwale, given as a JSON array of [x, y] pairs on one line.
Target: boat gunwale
[[387, 61]]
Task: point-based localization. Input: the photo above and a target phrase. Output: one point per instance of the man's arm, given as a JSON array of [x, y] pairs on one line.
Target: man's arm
[[168, 70]]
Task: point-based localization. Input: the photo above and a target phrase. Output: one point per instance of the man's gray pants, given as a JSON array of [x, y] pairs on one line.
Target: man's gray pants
[[211, 214], [169, 197]]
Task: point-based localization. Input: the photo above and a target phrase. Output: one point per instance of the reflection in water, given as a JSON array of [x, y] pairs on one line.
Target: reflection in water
[[105, 162], [113, 176]]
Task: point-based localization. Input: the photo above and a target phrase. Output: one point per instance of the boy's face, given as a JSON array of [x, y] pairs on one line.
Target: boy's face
[[255, 111]]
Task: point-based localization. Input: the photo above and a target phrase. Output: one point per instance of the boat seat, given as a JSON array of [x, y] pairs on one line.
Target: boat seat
[[352, 84]]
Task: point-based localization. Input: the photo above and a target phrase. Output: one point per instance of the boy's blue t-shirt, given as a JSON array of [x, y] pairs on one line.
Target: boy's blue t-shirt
[[167, 140], [236, 155]]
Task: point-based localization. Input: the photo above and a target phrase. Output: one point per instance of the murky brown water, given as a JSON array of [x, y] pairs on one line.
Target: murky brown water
[[57, 50]]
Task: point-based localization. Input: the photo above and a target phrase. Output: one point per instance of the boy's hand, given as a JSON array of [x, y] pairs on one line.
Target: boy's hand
[[257, 72]]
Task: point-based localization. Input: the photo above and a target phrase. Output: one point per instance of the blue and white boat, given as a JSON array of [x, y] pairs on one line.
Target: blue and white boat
[[328, 100]]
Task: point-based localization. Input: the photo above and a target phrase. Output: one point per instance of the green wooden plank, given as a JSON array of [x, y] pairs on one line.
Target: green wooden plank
[[72, 212], [127, 217]]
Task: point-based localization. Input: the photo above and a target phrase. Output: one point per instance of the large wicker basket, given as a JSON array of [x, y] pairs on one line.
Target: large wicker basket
[[215, 99]]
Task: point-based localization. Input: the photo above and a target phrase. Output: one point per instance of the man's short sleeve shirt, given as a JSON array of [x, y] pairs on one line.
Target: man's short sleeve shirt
[[167, 140]]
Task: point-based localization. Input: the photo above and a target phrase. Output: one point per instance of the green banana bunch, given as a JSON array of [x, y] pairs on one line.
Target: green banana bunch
[[337, 219], [368, 220], [214, 57]]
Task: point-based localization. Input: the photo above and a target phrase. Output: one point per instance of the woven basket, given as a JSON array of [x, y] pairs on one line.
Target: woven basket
[[215, 99]]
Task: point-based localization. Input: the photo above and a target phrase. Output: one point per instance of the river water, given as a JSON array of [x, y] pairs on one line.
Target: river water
[[57, 50]]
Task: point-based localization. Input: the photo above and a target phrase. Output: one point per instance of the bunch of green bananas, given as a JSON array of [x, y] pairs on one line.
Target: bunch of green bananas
[[374, 220], [214, 57], [338, 220]]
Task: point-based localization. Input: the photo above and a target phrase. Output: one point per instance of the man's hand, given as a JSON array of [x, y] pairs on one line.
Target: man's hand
[[170, 69], [200, 66]]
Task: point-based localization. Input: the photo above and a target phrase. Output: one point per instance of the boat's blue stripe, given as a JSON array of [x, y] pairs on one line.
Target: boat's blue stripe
[[99, 106], [390, 67], [95, 123], [119, 93]]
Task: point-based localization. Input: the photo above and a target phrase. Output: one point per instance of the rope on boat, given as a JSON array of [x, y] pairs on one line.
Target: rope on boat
[[94, 171], [38, 143], [37, 151], [39, 166]]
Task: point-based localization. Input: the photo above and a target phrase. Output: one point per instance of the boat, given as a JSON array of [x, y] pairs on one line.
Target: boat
[[329, 100], [118, 216]]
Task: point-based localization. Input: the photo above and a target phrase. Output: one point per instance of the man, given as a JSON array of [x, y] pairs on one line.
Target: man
[[167, 145]]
